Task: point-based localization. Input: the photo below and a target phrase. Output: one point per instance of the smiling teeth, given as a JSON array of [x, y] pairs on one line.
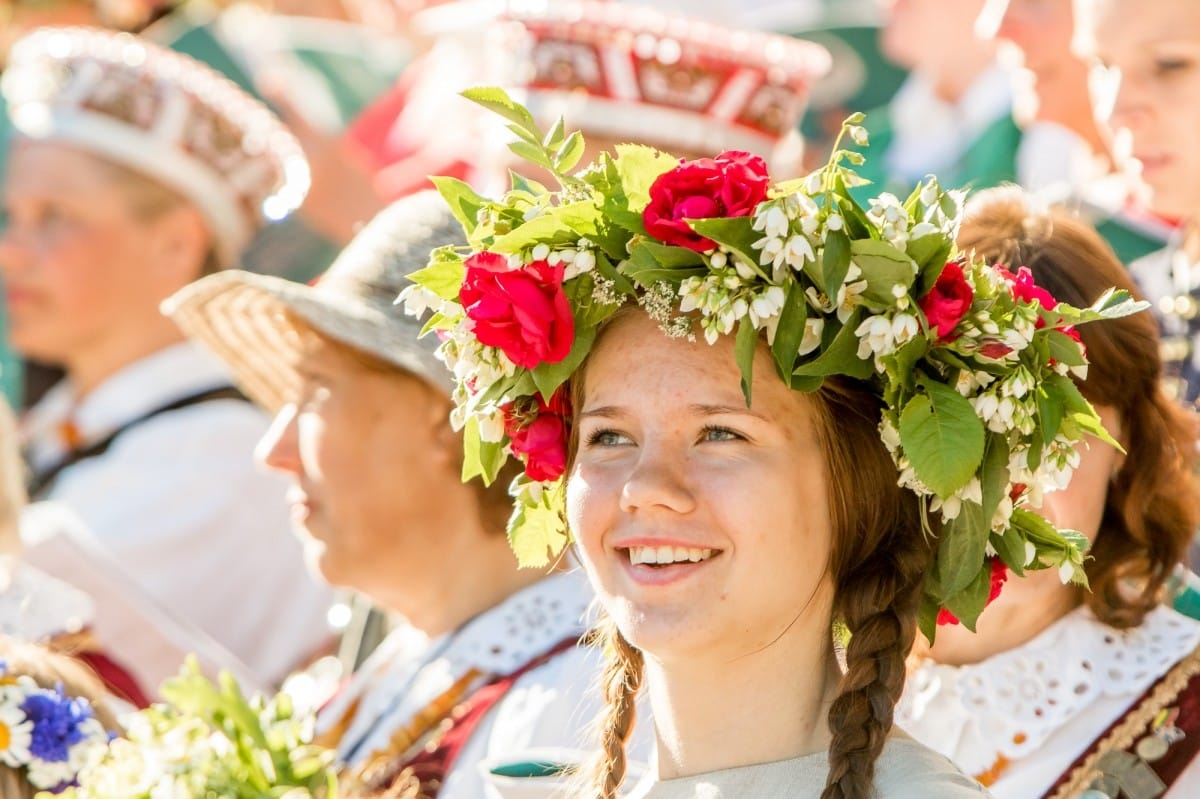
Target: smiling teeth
[[661, 555]]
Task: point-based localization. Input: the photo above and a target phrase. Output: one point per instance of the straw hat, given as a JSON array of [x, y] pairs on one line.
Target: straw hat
[[161, 114], [249, 320]]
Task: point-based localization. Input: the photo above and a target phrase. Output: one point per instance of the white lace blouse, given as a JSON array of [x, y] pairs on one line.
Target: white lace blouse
[[1042, 704]]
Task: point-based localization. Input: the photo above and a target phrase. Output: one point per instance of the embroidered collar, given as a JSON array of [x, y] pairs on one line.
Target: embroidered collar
[[1011, 703], [409, 670], [140, 387]]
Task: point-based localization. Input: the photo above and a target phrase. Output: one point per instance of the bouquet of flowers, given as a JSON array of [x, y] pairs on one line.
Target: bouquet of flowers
[[210, 740], [973, 361]]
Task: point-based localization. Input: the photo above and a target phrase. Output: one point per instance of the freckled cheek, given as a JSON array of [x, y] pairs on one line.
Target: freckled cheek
[[591, 505]]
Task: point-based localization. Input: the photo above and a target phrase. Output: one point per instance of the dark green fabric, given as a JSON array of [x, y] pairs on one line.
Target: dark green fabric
[[1129, 241]]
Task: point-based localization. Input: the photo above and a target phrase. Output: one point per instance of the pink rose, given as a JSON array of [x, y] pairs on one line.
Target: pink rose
[[948, 301], [1025, 289], [732, 184], [537, 433], [999, 575], [523, 312]]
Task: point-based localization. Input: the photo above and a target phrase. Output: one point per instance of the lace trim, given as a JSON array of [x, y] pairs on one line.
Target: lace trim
[[1016, 700], [37, 607]]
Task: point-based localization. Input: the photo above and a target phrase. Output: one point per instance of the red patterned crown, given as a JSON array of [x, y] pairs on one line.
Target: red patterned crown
[[162, 114], [632, 72]]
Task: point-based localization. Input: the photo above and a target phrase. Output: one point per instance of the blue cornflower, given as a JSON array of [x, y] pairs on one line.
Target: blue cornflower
[[57, 721]]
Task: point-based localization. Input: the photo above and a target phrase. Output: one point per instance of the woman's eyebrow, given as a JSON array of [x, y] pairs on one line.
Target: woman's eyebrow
[[739, 409]]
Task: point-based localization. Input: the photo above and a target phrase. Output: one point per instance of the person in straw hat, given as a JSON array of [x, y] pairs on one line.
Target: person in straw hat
[[134, 171], [362, 410]]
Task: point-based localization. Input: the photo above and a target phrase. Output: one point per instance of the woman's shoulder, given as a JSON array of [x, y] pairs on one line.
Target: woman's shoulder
[[907, 769]]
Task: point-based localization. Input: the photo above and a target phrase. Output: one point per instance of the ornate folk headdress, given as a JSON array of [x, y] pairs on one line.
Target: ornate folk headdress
[[972, 362]]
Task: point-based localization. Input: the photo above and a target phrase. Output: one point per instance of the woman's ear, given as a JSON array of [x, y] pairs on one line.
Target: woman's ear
[[447, 441]]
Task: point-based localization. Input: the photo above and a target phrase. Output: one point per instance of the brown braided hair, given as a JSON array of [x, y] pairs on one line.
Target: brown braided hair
[[1153, 504], [880, 556], [620, 683]]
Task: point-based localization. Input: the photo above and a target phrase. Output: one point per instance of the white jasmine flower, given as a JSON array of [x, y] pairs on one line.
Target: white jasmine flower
[[905, 328], [835, 222], [743, 269], [859, 134], [718, 259], [1066, 571], [929, 193], [1030, 553], [814, 327], [771, 220], [540, 252], [797, 251], [876, 336]]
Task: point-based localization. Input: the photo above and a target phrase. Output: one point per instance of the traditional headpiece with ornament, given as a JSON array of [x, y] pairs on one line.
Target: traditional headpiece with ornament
[[972, 363], [162, 114], [49, 734], [635, 73]]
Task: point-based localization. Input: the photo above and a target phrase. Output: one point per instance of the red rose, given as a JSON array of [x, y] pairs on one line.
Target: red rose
[[948, 301], [1024, 289], [537, 433], [732, 184], [522, 312], [999, 575]]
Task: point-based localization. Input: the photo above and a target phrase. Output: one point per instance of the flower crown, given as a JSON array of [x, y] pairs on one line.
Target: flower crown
[[46, 732], [972, 362]]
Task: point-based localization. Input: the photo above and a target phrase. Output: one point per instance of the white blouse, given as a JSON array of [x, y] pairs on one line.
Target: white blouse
[[1040, 705]]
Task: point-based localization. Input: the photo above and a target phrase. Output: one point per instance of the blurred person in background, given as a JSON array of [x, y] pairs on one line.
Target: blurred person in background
[[483, 662], [1067, 154], [1062, 689], [135, 171], [1148, 83], [953, 115], [619, 72]]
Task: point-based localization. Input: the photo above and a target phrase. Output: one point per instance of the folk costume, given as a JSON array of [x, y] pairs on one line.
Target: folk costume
[[1081, 706], [157, 459], [905, 770], [1170, 281], [421, 712]]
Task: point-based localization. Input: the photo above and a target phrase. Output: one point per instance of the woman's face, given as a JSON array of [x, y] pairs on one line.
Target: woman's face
[[703, 524], [74, 256], [370, 455], [1151, 49]]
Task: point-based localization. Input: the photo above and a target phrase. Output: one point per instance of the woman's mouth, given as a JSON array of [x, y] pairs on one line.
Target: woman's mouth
[[667, 555]]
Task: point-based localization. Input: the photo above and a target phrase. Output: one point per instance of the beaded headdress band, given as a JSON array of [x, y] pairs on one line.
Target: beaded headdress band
[[972, 362], [162, 114]]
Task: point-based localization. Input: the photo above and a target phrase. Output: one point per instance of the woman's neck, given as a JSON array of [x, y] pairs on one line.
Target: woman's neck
[[712, 714]]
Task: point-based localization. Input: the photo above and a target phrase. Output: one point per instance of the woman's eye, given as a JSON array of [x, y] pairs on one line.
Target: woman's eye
[[714, 433], [1168, 65], [606, 438]]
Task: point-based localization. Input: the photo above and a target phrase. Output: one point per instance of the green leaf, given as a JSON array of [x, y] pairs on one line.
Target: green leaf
[[549, 376], [555, 226], [942, 437], [1010, 546], [481, 458], [745, 344], [736, 233], [790, 331], [961, 546], [839, 357], [568, 155], [968, 603], [520, 183], [1062, 348], [465, 204], [638, 166], [1050, 405], [554, 137], [927, 617], [672, 257], [536, 530], [533, 153], [835, 262], [644, 268], [497, 101], [993, 475], [444, 276], [883, 267], [930, 254]]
